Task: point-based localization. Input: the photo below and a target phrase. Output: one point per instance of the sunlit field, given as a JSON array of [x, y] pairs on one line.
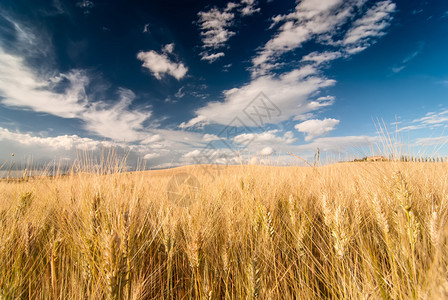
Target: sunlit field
[[367, 230]]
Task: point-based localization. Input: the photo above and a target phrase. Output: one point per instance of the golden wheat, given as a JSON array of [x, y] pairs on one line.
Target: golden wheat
[[353, 231]]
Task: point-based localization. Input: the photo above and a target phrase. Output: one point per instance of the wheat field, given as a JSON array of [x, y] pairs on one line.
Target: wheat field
[[344, 231]]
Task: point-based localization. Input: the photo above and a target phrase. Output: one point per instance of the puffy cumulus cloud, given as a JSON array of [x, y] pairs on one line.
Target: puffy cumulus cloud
[[220, 156], [63, 142], [289, 92], [315, 128], [192, 154], [270, 137], [266, 151], [161, 64]]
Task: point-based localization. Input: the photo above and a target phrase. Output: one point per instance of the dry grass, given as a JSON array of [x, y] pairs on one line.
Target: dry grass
[[346, 231]]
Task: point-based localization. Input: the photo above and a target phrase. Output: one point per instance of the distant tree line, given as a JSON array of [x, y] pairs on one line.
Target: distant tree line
[[406, 158]]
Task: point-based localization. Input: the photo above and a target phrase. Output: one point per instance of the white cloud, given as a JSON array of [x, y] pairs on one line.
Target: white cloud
[[372, 24], [431, 120], [192, 154], [212, 57], [22, 88], [310, 18], [432, 141], [63, 142], [289, 92], [407, 59], [249, 8], [198, 121], [315, 128], [398, 69], [292, 90], [104, 119], [214, 25], [324, 21], [266, 137], [321, 57], [434, 118], [168, 48], [267, 151], [63, 95], [151, 155], [160, 64], [210, 137], [156, 138]]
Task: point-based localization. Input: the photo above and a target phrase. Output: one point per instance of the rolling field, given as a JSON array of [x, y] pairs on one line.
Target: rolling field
[[343, 231]]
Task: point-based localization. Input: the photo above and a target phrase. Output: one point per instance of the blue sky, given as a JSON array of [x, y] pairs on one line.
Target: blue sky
[[182, 82]]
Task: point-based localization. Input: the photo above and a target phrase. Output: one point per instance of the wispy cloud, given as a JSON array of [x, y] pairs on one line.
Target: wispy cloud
[[321, 57], [197, 122], [215, 31], [212, 57], [85, 5], [290, 92], [323, 21], [432, 141], [64, 95], [217, 26], [399, 67], [160, 64], [431, 120], [434, 118], [373, 24], [347, 26], [22, 88], [309, 19], [249, 7]]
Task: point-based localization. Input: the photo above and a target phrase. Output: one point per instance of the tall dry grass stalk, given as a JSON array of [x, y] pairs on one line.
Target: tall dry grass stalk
[[345, 231]]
